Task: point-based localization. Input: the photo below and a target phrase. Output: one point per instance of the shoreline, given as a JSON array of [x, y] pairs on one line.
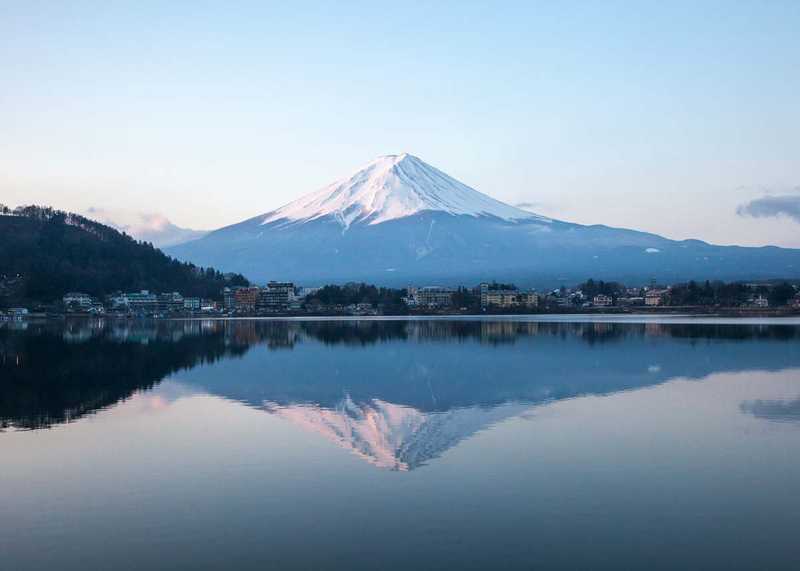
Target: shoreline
[[785, 318], [703, 311]]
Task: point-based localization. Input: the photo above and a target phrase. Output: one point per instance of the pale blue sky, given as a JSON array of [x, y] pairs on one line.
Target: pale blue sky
[[661, 116]]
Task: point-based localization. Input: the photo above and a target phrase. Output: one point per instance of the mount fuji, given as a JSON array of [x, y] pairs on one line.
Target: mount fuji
[[398, 220]]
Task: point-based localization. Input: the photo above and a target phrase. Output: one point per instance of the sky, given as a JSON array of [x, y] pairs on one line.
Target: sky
[[679, 118]]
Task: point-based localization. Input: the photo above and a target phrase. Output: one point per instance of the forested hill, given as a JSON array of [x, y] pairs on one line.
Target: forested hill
[[45, 253]]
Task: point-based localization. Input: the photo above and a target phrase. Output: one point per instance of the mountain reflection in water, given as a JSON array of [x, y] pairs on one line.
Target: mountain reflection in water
[[396, 393]]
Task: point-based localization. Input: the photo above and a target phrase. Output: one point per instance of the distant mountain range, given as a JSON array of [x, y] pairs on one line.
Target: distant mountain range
[[145, 226], [399, 220]]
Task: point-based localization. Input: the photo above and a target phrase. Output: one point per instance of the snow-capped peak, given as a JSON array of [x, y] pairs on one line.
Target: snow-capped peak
[[395, 186]]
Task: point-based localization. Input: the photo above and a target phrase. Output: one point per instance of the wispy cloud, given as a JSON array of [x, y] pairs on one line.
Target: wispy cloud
[[774, 410], [532, 206], [771, 206]]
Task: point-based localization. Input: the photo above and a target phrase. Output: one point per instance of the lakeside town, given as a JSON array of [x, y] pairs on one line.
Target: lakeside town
[[358, 299]]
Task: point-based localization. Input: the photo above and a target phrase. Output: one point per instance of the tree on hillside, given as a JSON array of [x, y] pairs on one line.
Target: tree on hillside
[[781, 294], [353, 293], [57, 252]]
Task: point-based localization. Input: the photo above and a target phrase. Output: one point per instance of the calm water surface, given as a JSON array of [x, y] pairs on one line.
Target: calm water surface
[[427, 444]]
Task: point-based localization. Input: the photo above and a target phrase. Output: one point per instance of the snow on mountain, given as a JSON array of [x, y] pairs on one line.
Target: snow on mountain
[[393, 436], [391, 187]]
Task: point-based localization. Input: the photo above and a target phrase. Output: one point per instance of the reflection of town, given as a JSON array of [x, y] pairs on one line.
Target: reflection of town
[[397, 393], [287, 333]]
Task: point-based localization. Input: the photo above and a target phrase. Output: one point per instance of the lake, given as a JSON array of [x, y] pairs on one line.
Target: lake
[[465, 443]]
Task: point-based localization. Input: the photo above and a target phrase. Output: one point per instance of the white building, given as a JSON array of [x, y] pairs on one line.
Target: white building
[[77, 299], [602, 300], [432, 296], [17, 313], [140, 301]]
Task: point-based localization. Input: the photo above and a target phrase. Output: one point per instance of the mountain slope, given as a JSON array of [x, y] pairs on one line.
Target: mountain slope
[[55, 252], [399, 220]]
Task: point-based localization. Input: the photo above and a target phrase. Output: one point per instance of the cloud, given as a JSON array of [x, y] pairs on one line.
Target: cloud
[[773, 410], [147, 226], [771, 206], [534, 207]]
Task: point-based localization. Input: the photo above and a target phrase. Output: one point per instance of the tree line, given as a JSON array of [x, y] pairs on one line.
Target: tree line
[[708, 293], [355, 293]]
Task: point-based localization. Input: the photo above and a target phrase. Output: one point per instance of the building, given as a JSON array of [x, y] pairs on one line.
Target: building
[[275, 297], [77, 300], [761, 302], [17, 313], [527, 298], [654, 297], [141, 302], [432, 296], [229, 297], [507, 298], [602, 300], [170, 302], [361, 309], [192, 303], [795, 302], [564, 301], [245, 299]]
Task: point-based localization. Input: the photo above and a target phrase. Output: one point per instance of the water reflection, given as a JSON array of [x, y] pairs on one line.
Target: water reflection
[[395, 393], [53, 374], [393, 436]]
